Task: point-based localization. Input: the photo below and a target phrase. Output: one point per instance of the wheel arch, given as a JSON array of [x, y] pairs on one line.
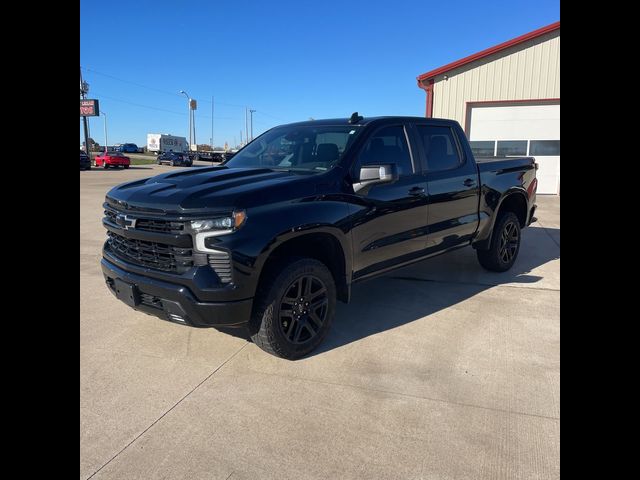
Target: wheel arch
[[321, 244], [513, 200]]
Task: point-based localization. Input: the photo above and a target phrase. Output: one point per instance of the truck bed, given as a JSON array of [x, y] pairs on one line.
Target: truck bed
[[486, 164]]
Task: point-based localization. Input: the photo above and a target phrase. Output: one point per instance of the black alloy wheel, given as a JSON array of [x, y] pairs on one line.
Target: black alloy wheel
[[505, 244], [294, 307], [303, 309], [509, 240]]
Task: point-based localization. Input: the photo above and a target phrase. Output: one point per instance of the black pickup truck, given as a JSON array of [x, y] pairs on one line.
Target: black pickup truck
[[265, 244]]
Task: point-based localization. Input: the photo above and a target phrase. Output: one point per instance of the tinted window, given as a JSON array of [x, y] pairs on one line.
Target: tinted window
[[304, 148], [387, 145], [440, 147], [512, 147], [482, 148], [544, 147]]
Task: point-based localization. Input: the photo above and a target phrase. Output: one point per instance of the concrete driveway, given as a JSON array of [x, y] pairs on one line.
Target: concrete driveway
[[436, 371]]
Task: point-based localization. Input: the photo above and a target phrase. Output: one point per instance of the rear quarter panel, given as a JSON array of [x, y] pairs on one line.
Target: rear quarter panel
[[500, 179]]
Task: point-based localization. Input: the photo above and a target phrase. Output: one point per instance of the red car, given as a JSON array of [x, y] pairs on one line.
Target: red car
[[113, 159]]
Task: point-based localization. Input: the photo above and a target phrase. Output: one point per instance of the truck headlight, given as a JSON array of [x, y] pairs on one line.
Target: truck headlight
[[214, 227], [232, 222]]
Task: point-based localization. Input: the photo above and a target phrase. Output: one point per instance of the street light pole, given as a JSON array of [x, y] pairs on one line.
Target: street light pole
[[189, 112], [212, 122], [251, 122], [106, 141]]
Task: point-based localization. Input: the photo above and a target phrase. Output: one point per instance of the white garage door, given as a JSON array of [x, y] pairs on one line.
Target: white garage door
[[534, 130]]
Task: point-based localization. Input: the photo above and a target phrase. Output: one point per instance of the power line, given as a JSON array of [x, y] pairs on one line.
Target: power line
[[139, 104], [153, 88], [204, 100], [269, 115], [159, 109], [130, 82]]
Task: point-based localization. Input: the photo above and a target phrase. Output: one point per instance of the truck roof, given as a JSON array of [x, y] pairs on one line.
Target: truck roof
[[368, 120]]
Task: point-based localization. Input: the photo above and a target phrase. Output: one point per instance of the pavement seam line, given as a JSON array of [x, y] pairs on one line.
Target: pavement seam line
[[469, 405], [165, 413]]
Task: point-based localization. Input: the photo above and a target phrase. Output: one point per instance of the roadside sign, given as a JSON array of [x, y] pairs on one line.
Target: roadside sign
[[89, 108]]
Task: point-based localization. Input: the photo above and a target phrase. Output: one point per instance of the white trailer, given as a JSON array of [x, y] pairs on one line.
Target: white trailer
[[159, 143]]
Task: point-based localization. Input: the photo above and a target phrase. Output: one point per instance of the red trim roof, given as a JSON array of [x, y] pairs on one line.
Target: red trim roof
[[489, 51]]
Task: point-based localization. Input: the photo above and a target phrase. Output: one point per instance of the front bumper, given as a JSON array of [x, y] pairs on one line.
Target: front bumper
[[173, 302]]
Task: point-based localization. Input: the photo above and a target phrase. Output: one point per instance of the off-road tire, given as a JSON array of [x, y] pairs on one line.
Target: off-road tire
[[266, 325], [506, 229]]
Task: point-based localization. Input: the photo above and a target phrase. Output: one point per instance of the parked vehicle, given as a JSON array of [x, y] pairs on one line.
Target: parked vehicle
[[266, 243], [85, 162], [175, 159], [128, 148], [158, 143], [112, 159]]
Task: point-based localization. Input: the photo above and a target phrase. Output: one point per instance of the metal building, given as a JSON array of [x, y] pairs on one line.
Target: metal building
[[507, 99]]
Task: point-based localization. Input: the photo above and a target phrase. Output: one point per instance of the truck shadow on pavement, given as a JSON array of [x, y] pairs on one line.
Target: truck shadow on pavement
[[420, 290]]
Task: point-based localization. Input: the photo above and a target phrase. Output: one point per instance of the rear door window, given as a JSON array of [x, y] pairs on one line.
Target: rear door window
[[440, 147]]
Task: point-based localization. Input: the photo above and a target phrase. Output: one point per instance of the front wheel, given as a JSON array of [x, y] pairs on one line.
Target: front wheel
[[505, 244], [294, 308], [173, 164], [125, 166], [105, 166]]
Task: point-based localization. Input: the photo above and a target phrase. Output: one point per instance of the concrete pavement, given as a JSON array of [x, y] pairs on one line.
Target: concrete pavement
[[439, 370]]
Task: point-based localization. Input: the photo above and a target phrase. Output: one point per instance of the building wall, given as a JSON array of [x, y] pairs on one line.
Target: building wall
[[530, 70]]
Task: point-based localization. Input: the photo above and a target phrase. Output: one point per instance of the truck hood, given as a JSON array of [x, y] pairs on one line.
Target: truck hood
[[211, 188]]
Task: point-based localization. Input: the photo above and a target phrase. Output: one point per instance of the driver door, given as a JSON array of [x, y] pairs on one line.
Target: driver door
[[390, 222]]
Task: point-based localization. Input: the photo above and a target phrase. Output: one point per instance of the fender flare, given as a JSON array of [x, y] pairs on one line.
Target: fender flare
[[484, 243]]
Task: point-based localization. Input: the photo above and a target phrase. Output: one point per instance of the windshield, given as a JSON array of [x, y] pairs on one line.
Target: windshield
[[306, 148]]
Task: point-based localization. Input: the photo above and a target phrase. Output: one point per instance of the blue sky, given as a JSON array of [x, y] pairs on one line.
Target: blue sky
[[288, 60]]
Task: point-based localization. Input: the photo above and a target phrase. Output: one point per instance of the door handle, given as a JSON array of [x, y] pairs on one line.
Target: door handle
[[469, 182], [416, 191]]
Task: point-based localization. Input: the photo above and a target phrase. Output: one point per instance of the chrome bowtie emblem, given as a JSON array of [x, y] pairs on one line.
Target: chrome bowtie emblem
[[126, 221]]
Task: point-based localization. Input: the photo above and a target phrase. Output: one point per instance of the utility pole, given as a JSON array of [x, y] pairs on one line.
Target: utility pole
[[212, 123], [241, 137], [251, 123], [84, 88], [106, 141], [246, 126]]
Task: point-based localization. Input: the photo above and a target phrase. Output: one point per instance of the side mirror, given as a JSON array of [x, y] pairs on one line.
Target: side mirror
[[376, 174]]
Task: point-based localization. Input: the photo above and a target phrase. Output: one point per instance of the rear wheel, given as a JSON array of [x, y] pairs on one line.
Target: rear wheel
[[173, 163], [294, 308], [505, 244], [125, 166]]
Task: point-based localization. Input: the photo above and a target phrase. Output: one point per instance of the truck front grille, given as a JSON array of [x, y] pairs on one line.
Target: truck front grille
[[148, 224], [159, 256]]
